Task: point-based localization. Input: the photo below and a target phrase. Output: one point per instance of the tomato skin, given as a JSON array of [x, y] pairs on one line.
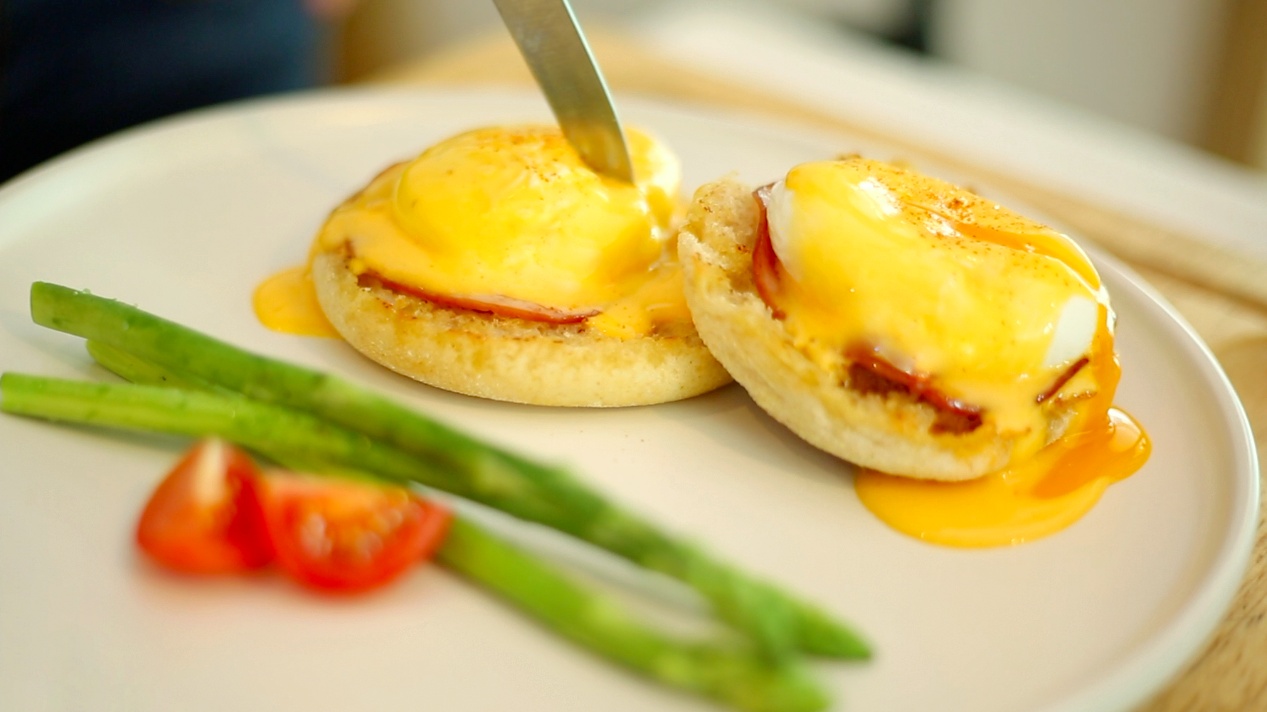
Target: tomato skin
[[204, 517], [343, 535]]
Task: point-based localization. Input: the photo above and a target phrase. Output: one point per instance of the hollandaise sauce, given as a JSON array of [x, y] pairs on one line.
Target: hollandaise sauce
[[1040, 496], [993, 312], [508, 221], [286, 302]]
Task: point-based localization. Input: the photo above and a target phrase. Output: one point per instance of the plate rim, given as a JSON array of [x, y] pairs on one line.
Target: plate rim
[[1142, 674]]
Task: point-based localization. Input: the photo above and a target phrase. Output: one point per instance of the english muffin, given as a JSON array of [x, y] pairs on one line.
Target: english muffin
[[498, 265], [898, 321]]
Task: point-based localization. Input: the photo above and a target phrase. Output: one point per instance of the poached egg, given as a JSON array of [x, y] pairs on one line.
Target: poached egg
[[971, 308], [509, 220]]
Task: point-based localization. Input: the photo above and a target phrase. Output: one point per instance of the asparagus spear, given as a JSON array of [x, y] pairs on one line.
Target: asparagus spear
[[307, 440], [130, 368], [728, 673], [600, 623], [776, 621]]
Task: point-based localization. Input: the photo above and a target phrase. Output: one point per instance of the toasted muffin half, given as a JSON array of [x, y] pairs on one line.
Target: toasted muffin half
[[507, 358], [641, 348]]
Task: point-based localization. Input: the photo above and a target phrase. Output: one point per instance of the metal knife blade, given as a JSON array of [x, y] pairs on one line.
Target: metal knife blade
[[553, 45]]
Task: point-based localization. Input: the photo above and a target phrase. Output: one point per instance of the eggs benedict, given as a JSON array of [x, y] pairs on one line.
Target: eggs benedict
[[498, 264], [912, 328]]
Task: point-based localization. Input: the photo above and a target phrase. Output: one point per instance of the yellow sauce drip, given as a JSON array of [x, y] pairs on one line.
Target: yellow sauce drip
[[287, 302], [659, 300], [1020, 504]]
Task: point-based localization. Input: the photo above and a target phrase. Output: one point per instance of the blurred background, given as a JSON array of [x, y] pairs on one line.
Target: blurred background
[[1193, 72]]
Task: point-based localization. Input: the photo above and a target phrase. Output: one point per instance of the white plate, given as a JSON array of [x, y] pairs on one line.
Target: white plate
[[184, 217]]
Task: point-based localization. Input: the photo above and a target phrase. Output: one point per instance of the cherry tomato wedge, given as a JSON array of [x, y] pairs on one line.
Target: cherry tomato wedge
[[203, 518], [338, 534]]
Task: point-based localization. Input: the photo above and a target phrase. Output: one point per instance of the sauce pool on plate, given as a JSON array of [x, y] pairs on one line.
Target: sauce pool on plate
[[1038, 497]]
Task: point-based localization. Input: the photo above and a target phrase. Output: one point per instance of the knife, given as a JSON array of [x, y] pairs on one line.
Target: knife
[[551, 42]]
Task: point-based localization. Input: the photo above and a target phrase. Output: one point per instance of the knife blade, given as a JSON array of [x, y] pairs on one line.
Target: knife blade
[[554, 47]]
